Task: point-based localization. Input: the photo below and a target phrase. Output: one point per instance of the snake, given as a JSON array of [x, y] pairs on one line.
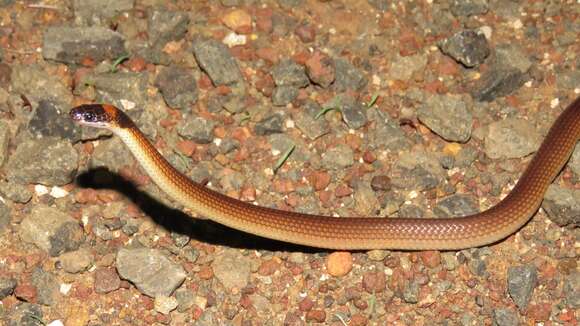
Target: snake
[[351, 233]]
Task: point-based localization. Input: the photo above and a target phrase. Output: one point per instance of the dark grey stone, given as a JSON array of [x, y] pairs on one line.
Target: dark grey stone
[[289, 73], [468, 47], [272, 124], [68, 237], [497, 83], [521, 283], [178, 87], [26, 314], [114, 87], [448, 116], [50, 120], [348, 77], [306, 122], [456, 206], [216, 60], [353, 112]]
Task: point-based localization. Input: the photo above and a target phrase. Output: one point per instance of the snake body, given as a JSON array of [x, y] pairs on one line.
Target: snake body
[[357, 233]]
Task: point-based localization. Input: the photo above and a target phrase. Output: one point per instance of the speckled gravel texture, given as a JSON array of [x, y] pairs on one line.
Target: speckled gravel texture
[[346, 108]]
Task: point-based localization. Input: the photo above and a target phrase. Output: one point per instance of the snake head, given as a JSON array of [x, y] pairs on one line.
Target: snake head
[[100, 116]]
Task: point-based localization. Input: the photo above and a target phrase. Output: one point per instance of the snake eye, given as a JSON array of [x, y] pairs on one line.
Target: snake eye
[[90, 114]]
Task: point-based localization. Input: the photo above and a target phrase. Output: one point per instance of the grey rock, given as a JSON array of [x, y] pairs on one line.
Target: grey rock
[[411, 211], [468, 8], [465, 157], [178, 87], [280, 143], [568, 79], [152, 272], [468, 47], [511, 138], [402, 68], [185, 299], [339, 157], [234, 102], [521, 283], [388, 131], [417, 171], [272, 124], [366, 202], [76, 261], [505, 317], [7, 285], [448, 116], [4, 217], [572, 289], [116, 88], [353, 112], [449, 261], [4, 141], [73, 44], [166, 26], [307, 124], [477, 266], [232, 269], [47, 286], [95, 11], [49, 120], [26, 314], [15, 192], [289, 73], [283, 95], [411, 292], [562, 205], [496, 83], [348, 77], [39, 85], [456, 206], [198, 129], [164, 304], [511, 56], [48, 161], [216, 60], [69, 236], [44, 228], [111, 154]]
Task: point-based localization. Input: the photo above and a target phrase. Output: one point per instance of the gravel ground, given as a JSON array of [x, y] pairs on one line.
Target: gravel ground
[[419, 108]]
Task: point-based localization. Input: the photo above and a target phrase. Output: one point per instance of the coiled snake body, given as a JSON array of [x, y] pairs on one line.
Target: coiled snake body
[[475, 230]]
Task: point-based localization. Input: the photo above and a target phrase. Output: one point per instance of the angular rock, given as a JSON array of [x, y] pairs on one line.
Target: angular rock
[[339, 157], [469, 47], [289, 73], [511, 138], [496, 83], [216, 60], [448, 116], [306, 122], [72, 45], [505, 317], [91, 11], [153, 273], [468, 8], [47, 286], [283, 95], [232, 269], [26, 314], [51, 230], [456, 206], [126, 90], [38, 85], [106, 280], [15, 192], [272, 124], [562, 205], [521, 283], [48, 161], [402, 68], [353, 112], [166, 26], [50, 120], [198, 129], [347, 77], [320, 69], [178, 87]]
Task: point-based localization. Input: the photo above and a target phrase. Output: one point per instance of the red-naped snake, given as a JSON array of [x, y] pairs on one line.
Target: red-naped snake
[[475, 230]]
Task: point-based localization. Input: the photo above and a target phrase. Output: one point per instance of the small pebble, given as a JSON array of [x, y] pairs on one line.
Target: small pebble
[[339, 263]]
